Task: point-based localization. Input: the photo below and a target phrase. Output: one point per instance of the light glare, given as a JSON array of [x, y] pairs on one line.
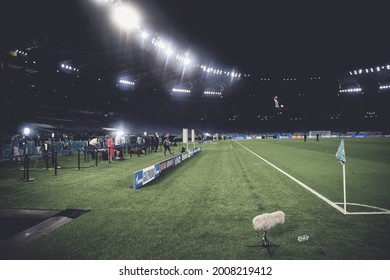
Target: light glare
[[125, 17]]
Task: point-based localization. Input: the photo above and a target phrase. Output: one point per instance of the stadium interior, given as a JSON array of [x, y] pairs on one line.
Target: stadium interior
[[160, 130]]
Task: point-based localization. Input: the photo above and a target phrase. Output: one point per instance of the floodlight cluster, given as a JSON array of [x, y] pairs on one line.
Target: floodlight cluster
[[386, 87], [181, 90], [295, 119], [69, 67], [19, 52], [369, 70], [126, 82], [125, 17], [159, 43], [185, 59], [216, 71], [351, 90], [212, 93], [235, 117]]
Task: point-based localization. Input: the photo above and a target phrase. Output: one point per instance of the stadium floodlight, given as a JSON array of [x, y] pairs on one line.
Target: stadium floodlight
[[186, 61], [212, 93], [161, 45], [144, 35], [119, 133], [351, 90], [126, 82], [179, 90], [169, 51], [26, 131], [125, 17], [68, 67]]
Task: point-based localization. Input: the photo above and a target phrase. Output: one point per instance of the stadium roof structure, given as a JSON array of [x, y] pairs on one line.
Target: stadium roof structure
[[205, 49]]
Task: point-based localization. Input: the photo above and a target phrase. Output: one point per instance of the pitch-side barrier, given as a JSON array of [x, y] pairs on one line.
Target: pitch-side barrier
[[147, 174]]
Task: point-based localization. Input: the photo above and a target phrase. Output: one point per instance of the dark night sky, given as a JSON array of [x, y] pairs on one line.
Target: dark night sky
[[252, 36], [283, 36]]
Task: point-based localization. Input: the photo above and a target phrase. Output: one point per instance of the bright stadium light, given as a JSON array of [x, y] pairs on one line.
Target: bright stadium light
[[351, 90], [169, 51], [126, 82], [125, 17], [385, 87], [161, 45], [207, 92], [179, 90], [144, 35], [26, 131]]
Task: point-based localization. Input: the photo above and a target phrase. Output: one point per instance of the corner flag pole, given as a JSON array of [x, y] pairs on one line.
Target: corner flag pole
[[345, 189], [340, 155]]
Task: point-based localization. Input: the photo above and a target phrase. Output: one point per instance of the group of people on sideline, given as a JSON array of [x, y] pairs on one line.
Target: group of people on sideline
[[113, 147]]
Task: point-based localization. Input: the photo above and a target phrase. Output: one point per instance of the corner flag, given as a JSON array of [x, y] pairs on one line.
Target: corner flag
[[340, 155]]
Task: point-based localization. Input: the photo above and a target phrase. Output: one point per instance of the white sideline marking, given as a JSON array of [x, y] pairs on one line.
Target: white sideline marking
[[331, 203]]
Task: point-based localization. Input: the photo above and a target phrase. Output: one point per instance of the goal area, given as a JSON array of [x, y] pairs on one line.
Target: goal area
[[321, 133]]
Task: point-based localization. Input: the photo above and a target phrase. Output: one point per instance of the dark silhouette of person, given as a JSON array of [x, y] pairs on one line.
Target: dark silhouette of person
[[167, 145]]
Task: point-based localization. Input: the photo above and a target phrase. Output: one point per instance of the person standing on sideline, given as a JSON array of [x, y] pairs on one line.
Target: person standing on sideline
[[304, 137], [156, 141], [111, 148], [167, 145], [38, 142], [15, 141], [317, 138], [93, 144]]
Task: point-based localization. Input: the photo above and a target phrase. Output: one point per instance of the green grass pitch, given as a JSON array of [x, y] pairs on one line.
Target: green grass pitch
[[203, 208]]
